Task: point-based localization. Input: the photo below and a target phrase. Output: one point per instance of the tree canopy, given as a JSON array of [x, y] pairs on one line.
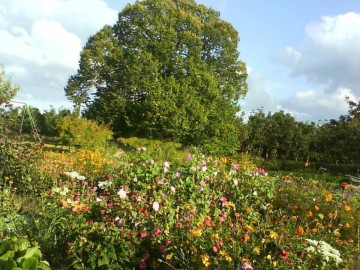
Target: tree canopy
[[8, 90], [168, 69]]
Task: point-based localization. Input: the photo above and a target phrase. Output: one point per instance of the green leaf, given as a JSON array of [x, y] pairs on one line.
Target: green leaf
[[9, 254], [44, 265], [33, 252], [30, 264], [21, 244], [4, 247]]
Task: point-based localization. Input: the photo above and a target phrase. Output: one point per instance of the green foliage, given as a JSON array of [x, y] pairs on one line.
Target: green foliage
[[16, 253], [166, 70], [82, 132], [7, 89], [158, 150], [18, 162]]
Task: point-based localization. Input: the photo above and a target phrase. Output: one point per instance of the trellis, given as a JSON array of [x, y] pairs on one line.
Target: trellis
[[26, 110]]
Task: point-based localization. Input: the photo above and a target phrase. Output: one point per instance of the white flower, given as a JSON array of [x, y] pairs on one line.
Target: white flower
[[167, 164], [75, 175], [156, 206], [173, 189], [326, 251], [236, 182], [103, 184], [255, 193], [122, 193]]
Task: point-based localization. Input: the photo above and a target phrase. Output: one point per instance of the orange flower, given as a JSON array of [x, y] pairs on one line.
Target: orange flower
[[328, 197], [347, 208], [309, 214], [299, 231], [317, 207]]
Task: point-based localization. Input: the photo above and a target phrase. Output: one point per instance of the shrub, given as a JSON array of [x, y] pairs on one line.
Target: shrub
[[18, 162], [84, 133]]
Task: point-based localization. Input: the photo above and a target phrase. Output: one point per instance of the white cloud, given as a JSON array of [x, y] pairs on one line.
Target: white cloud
[[41, 42], [331, 55], [309, 105], [259, 94]]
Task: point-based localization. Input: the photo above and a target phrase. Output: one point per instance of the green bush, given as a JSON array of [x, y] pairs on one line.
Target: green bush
[[83, 133], [171, 151], [18, 161]]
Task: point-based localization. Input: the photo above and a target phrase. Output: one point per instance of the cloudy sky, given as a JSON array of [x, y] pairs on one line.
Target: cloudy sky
[[303, 56]]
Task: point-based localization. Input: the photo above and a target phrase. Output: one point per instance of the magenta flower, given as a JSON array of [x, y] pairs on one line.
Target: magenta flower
[[162, 249], [142, 265]]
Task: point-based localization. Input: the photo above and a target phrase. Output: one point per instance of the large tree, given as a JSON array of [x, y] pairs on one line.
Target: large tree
[[168, 69]]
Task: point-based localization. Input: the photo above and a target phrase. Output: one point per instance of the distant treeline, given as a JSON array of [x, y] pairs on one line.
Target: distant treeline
[[273, 135]]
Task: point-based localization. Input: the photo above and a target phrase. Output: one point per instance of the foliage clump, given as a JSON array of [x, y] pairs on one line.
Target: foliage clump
[[83, 133]]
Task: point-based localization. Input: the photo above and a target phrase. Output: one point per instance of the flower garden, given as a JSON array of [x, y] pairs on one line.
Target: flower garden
[[131, 210]]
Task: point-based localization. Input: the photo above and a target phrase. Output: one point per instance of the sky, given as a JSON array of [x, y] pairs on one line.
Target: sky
[[302, 57]]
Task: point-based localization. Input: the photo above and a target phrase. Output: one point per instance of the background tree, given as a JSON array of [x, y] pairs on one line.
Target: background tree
[[166, 70], [8, 90]]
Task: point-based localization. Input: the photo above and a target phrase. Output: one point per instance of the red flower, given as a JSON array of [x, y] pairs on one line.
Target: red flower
[[284, 254]]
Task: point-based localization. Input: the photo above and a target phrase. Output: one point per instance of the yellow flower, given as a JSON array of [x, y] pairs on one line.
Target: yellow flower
[[275, 263], [169, 256], [205, 260], [336, 232], [256, 250], [273, 235], [347, 225], [223, 160], [317, 207], [196, 232]]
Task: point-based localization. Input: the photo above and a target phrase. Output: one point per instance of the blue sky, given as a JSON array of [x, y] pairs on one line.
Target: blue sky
[[303, 56]]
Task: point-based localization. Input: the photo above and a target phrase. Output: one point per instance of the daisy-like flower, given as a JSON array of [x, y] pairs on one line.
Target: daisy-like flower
[[156, 206], [122, 193]]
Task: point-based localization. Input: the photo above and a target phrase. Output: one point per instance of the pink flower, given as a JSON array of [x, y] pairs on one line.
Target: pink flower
[[152, 162], [156, 206], [142, 265], [162, 249], [143, 234], [188, 157], [223, 201], [157, 231], [246, 266], [122, 193], [236, 166]]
